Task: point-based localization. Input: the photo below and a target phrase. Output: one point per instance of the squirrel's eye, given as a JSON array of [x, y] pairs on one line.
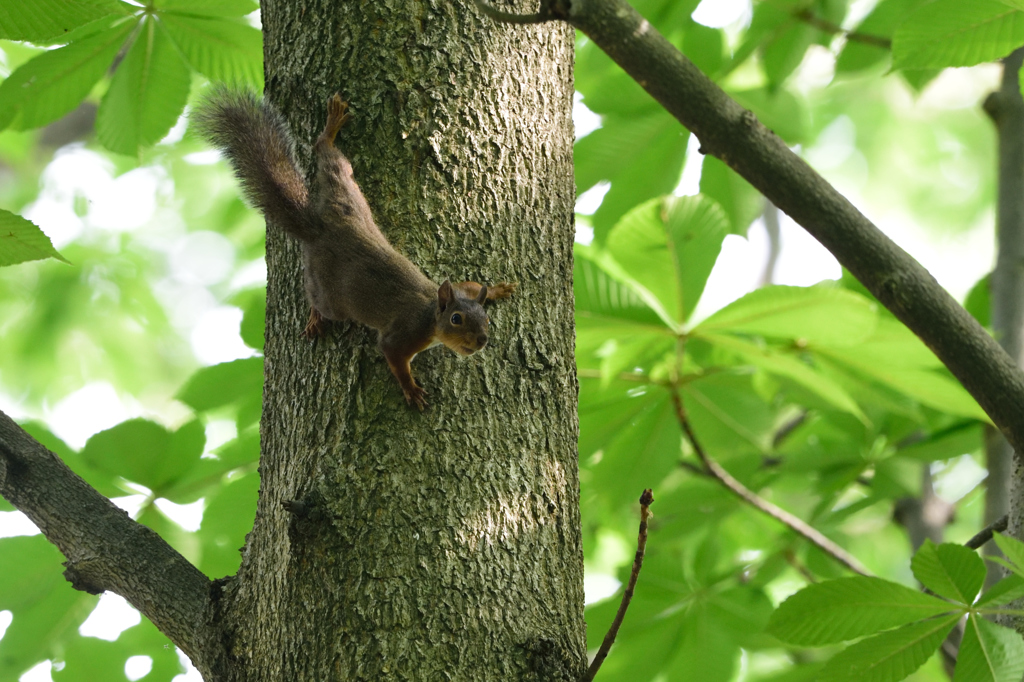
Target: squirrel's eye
[[456, 319]]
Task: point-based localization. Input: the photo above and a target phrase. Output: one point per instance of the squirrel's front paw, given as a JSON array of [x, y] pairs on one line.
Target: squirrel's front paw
[[415, 396], [503, 290]]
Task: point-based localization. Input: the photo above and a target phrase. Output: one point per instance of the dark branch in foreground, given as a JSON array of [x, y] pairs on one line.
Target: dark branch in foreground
[[646, 499], [105, 548], [733, 134], [985, 534], [794, 523]]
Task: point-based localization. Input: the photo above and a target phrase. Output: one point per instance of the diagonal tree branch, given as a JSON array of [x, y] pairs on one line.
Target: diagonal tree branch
[[105, 548], [794, 523], [733, 134]]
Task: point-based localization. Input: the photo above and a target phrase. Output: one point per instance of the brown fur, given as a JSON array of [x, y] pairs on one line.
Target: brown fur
[[350, 270]]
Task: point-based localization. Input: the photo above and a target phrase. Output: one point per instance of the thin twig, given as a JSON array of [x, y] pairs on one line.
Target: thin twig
[[806, 16], [641, 544], [794, 523], [539, 17], [983, 536], [788, 428]]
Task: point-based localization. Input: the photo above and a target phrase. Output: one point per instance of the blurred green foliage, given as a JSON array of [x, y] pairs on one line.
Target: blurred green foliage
[[814, 397]]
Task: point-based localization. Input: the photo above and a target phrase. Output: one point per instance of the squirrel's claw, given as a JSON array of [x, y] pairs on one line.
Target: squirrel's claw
[[415, 396], [503, 290]]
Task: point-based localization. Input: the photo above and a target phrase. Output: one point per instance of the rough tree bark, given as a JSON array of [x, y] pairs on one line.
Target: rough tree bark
[[442, 545]]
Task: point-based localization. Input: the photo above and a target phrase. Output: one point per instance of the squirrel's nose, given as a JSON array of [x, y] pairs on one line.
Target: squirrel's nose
[[481, 340]]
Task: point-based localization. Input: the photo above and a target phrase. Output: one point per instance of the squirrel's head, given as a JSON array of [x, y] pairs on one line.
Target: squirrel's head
[[461, 321]]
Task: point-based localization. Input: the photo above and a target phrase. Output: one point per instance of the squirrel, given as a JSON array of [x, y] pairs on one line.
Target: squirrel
[[350, 270]]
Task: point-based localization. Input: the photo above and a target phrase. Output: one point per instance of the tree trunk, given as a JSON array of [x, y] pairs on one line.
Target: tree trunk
[[1006, 108], [441, 545]]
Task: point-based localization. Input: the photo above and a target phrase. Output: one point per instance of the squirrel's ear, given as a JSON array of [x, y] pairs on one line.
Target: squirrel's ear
[[482, 296], [444, 295]]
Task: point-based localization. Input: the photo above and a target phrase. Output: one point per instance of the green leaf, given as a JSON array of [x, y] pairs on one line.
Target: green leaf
[[46, 608], [254, 314], [145, 452], [784, 365], [227, 518], [146, 95], [212, 8], [103, 481], [948, 570], [225, 50], [1005, 591], [728, 414], [779, 110], [979, 301], [43, 20], [956, 33], [896, 358], [784, 51], [847, 608], [642, 156], [21, 240], [53, 83], [989, 653], [737, 197], [667, 248], [960, 439], [635, 433], [890, 656], [615, 329], [819, 315], [880, 23], [1012, 549], [602, 298], [239, 382]]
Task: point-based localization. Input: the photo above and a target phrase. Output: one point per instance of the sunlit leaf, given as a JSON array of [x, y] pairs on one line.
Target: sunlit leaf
[[1012, 549], [1005, 591], [42, 20], [53, 83], [788, 366], [819, 315], [896, 358], [667, 248], [952, 571], [890, 656], [989, 653], [955, 33], [21, 240], [46, 609], [228, 517], [642, 156], [239, 382], [222, 49], [145, 452], [737, 197], [847, 608], [146, 95], [214, 8]]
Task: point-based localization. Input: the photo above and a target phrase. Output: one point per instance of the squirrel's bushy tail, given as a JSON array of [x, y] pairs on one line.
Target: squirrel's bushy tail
[[256, 141]]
